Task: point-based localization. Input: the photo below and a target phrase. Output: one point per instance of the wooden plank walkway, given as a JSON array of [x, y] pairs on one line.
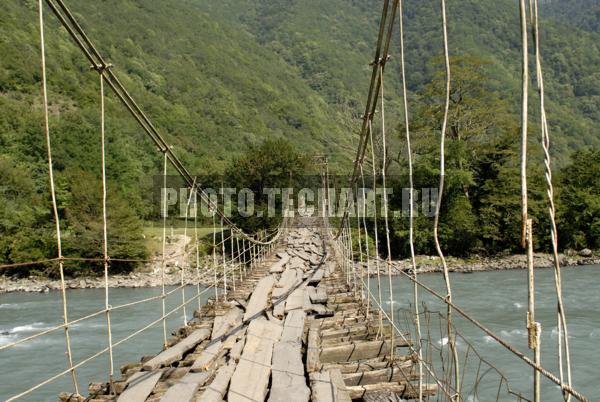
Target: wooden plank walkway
[[291, 331]]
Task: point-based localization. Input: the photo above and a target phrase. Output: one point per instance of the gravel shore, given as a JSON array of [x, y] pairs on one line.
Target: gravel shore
[[151, 277]]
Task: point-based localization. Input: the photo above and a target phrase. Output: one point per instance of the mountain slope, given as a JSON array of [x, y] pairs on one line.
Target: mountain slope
[[331, 43]]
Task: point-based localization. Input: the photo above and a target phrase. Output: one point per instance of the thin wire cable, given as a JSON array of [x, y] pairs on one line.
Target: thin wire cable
[[451, 340], [164, 250], [197, 251], [364, 223], [411, 241], [215, 263], [524, 117], [105, 233], [375, 231], [563, 335], [360, 249], [385, 211], [185, 248], [224, 260], [53, 195]]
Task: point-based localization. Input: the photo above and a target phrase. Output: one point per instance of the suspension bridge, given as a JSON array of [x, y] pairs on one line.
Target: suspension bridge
[[298, 313]]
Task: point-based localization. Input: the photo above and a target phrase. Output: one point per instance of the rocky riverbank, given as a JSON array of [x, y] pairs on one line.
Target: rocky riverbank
[[151, 277], [430, 264]]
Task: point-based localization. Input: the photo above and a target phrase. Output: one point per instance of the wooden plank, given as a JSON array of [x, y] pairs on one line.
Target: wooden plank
[[278, 267], [338, 381], [185, 389], [297, 263], [289, 279], [260, 298], [236, 352], [327, 386], [139, 386], [293, 328], [176, 352], [288, 383], [313, 350], [295, 300], [401, 390], [207, 356], [218, 388], [402, 373], [318, 295], [223, 324], [251, 377], [358, 350]]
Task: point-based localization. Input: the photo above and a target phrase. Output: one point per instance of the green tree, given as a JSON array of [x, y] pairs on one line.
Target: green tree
[[579, 201], [271, 164]]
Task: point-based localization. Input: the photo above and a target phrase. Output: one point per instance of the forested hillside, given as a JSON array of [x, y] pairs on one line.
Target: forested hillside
[[218, 76], [584, 14]]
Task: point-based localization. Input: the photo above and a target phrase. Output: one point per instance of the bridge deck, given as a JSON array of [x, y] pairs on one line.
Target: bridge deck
[[291, 331]]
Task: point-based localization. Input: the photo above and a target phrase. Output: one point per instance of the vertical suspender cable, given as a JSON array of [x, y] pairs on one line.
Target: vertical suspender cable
[[185, 252], [411, 201], [451, 340], [364, 223], [563, 336], [53, 195], [360, 247], [197, 241], [231, 260], [376, 235], [533, 327], [385, 213], [215, 264], [164, 250], [224, 261], [105, 232], [524, 118]]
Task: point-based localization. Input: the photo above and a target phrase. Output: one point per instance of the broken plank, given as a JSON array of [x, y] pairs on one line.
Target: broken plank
[[317, 277], [293, 328], [295, 300], [279, 265], [139, 386], [236, 352], [176, 352], [251, 377], [225, 323], [185, 389], [218, 388], [318, 295], [328, 386], [260, 298], [288, 383], [208, 356]]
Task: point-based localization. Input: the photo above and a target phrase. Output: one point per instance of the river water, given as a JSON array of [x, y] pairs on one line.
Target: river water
[[498, 299]]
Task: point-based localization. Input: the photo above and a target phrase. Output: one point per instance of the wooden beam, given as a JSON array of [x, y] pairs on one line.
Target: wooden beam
[[251, 377], [359, 350], [328, 386], [288, 383], [259, 300], [176, 352], [218, 388], [185, 389], [139, 386]]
